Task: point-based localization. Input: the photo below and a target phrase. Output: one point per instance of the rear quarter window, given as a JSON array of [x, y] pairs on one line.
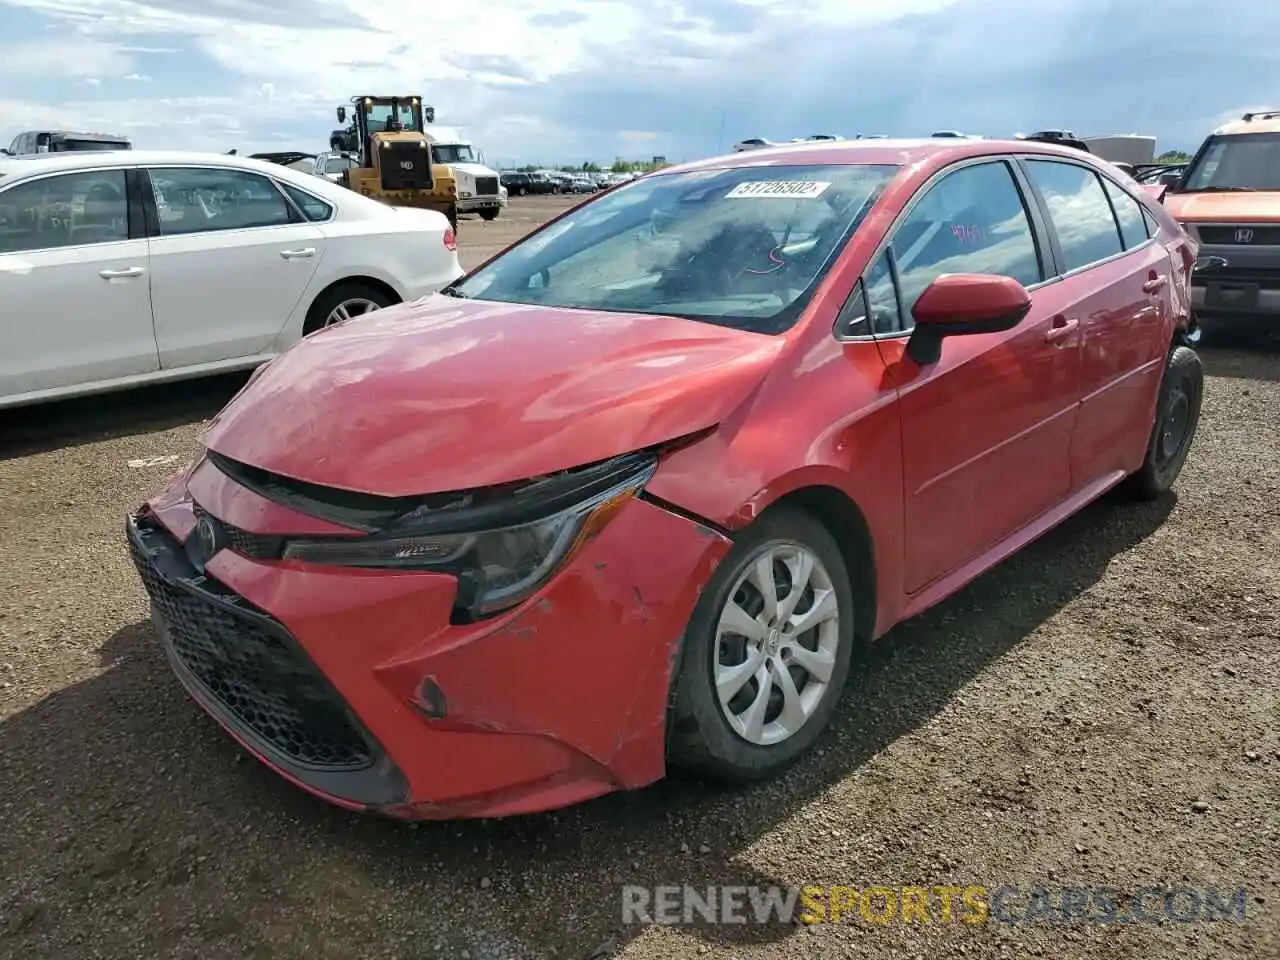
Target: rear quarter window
[[1129, 214], [312, 207]]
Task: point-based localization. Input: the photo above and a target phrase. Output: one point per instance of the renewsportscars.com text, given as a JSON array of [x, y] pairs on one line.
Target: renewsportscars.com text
[[972, 904]]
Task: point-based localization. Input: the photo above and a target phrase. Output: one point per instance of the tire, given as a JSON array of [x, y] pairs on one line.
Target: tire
[[490, 215], [1178, 407], [336, 296], [521, 191], [700, 736]]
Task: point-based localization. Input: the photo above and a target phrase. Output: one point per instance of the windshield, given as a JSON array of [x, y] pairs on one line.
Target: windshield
[[1242, 161], [69, 146], [743, 247], [452, 153], [380, 113], [338, 164]]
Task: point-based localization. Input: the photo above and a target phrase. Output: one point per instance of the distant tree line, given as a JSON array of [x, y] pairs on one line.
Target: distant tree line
[[1174, 156]]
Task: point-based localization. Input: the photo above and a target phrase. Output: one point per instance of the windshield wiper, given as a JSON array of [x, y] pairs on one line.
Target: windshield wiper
[[452, 292]]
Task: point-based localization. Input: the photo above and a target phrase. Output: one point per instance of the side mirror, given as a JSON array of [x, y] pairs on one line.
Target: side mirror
[[429, 114], [1169, 179], [342, 114], [960, 304]]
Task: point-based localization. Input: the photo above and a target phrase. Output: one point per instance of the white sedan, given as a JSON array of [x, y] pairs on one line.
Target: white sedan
[[121, 268]]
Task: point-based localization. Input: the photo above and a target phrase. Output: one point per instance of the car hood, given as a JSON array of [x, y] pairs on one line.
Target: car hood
[[445, 394], [1260, 207], [475, 169]]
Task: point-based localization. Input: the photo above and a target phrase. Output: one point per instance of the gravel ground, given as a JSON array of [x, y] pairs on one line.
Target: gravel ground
[[1100, 710]]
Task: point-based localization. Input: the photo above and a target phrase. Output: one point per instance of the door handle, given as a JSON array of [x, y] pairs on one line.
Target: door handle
[[298, 254], [1060, 330], [121, 274], [1155, 284]]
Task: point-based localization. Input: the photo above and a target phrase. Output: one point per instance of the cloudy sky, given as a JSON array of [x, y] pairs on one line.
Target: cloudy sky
[[569, 80]]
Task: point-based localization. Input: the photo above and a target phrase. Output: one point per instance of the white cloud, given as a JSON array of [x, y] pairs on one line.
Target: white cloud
[[514, 74], [73, 57]]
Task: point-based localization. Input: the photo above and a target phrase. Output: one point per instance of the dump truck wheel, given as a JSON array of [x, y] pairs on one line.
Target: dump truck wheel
[[491, 214]]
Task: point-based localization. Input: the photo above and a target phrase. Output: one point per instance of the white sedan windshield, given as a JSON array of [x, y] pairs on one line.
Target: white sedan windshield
[[743, 247]]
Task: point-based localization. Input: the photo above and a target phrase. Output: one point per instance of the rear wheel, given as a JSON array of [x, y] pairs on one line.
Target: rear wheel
[[1177, 416], [766, 652], [344, 302]]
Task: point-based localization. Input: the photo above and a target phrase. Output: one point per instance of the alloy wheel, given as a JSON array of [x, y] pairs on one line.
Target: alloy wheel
[[349, 309]]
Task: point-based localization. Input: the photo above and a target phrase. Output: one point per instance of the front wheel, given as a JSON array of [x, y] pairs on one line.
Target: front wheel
[[489, 214], [766, 652], [1176, 420]]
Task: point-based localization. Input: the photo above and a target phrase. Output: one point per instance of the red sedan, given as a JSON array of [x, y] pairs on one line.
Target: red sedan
[[631, 493]]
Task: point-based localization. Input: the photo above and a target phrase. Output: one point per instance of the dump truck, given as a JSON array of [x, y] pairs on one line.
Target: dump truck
[[395, 162]]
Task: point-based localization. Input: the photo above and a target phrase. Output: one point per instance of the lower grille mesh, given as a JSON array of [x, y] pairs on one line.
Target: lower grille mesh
[[256, 676]]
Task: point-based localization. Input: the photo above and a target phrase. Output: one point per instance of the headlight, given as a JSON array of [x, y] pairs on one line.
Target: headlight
[[501, 552]]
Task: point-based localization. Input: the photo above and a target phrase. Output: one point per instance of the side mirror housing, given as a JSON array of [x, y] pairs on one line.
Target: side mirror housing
[[429, 114], [342, 114], [1169, 179], [962, 304]]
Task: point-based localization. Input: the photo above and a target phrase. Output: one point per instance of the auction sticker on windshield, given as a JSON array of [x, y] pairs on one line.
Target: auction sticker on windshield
[[791, 189]]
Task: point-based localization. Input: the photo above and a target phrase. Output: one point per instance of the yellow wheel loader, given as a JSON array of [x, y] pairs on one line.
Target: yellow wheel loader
[[395, 161]]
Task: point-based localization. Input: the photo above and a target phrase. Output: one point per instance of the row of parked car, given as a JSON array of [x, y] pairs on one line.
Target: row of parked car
[[522, 182]]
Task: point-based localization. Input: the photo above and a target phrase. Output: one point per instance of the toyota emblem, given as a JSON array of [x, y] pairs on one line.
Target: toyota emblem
[[1244, 236], [205, 542]]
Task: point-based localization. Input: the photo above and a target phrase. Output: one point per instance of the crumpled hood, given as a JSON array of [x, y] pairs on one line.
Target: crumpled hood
[[1261, 207], [445, 394]]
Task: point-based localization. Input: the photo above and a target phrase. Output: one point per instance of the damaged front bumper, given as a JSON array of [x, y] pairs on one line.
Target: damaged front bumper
[[355, 685]]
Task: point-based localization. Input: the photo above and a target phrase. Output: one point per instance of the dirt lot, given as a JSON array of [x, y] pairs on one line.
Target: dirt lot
[[1102, 709]]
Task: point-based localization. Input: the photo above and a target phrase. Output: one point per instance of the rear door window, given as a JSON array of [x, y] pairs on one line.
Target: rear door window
[[207, 199], [1079, 211]]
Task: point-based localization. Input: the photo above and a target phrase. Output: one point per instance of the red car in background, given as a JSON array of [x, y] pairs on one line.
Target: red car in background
[[631, 493]]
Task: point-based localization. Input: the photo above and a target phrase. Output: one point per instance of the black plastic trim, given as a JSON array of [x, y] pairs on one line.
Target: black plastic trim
[[381, 784]]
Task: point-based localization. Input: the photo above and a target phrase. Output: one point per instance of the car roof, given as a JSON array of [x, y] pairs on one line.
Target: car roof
[[897, 152], [42, 163], [1264, 121], [38, 163]]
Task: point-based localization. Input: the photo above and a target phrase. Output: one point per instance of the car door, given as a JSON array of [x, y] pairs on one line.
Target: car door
[[1116, 280], [231, 257], [986, 431], [73, 282]]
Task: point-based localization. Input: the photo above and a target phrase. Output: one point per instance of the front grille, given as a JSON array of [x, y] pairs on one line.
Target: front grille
[[405, 166], [254, 671], [1241, 235], [256, 546], [1265, 279], [486, 186]]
